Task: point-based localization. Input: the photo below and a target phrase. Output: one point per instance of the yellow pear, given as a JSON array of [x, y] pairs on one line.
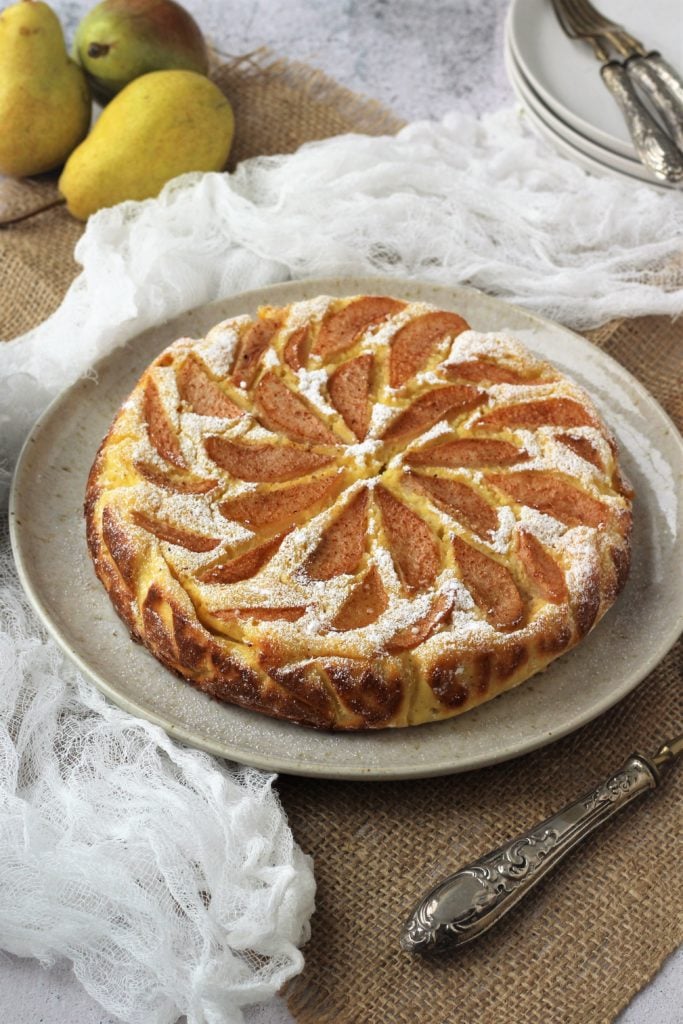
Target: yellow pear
[[44, 96], [159, 126]]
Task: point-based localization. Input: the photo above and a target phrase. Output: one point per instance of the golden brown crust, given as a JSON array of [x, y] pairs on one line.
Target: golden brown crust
[[357, 513]]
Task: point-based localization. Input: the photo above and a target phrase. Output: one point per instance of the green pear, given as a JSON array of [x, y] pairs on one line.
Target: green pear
[[161, 125], [45, 104], [119, 40]]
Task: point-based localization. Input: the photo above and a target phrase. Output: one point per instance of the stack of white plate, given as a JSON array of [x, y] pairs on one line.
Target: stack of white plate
[[558, 81]]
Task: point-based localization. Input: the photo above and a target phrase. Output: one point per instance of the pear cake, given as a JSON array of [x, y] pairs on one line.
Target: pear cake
[[357, 513]]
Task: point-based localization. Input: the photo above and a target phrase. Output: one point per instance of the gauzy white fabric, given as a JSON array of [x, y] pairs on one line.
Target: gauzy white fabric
[[169, 879]]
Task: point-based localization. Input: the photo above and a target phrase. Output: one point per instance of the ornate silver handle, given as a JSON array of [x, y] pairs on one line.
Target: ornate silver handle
[[475, 897], [663, 85], [653, 146]]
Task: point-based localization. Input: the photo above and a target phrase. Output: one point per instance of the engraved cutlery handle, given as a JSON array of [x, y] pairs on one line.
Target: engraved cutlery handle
[[653, 146], [475, 897], [664, 86]]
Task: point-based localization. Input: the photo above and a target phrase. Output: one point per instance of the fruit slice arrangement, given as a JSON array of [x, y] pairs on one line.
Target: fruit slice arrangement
[[357, 512]]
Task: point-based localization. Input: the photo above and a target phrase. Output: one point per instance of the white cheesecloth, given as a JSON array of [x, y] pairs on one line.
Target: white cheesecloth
[[169, 878]]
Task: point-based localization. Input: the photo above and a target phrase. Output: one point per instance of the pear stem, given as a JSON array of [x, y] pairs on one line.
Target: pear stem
[[32, 213]]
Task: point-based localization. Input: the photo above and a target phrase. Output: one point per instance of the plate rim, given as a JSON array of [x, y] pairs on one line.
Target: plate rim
[[330, 285], [567, 146]]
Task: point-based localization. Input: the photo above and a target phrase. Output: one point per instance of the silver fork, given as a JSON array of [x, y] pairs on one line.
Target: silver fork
[[652, 144], [584, 21], [658, 80]]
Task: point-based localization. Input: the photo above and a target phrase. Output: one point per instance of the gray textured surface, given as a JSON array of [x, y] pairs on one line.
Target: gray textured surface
[[421, 58]]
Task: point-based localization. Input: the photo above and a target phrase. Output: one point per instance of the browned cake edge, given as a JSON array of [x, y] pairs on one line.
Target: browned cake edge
[[332, 693]]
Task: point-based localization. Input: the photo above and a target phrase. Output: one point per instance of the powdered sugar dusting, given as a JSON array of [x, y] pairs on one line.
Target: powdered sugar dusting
[[363, 455], [218, 348], [581, 554], [381, 417], [500, 539], [282, 581], [500, 347], [165, 380], [308, 311], [429, 377], [311, 384], [270, 359], [438, 430], [545, 528]]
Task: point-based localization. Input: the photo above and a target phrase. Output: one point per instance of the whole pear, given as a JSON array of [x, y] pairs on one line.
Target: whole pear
[[45, 101], [161, 125], [119, 40]]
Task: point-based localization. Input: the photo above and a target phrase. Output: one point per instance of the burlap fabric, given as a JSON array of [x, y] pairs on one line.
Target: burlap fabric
[[599, 927]]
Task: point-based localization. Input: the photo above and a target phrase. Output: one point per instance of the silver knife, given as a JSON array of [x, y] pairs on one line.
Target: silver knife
[[663, 85], [653, 146], [469, 902]]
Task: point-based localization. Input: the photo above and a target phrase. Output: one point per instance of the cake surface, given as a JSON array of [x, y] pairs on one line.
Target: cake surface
[[357, 513]]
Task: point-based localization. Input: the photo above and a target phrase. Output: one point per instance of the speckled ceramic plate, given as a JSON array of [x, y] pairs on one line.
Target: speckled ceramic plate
[[49, 544]]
